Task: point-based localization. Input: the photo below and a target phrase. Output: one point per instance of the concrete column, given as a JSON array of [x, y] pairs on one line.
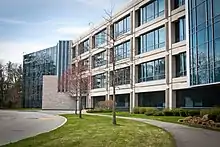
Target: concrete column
[[106, 97], [172, 99], [89, 101], [166, 2], [131, 101], [136, 100]]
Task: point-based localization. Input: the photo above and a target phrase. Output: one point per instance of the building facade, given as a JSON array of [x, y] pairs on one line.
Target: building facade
[[50, 61], [166, 55]]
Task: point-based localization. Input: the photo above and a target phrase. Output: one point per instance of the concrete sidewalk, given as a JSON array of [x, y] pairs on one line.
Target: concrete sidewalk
[[184, 136]]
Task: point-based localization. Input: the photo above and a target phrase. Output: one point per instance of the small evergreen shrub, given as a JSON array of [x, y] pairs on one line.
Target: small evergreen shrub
[[167, 112]]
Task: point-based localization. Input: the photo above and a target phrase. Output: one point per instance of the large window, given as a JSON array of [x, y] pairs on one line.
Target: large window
[[84, 65], [151, 11], [122, 76], [122, 26], [123, 51], [204, 41], [99, 81], [74, 52], [152, 40], [180, 30], [153, 70], [99, 59], [181, 64], [84, 47], [100, 38], [178, 3]]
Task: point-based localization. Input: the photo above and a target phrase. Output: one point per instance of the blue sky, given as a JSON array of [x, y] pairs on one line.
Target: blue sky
[[30, 25]]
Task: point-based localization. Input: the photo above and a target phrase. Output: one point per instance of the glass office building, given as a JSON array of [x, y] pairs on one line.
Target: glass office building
[[50, 61], [204, 31]]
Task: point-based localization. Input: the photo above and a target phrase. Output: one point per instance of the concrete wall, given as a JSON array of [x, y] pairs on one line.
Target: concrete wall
[[54, 100]]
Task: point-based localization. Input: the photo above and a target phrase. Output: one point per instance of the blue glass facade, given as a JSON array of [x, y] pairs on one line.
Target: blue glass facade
[[63, 60], [50, 61], [204, 38], [35, 65]]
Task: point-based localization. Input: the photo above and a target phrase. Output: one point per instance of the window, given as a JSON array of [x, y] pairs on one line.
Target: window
[[181, 64], [99, 81], [152, 40], [122, 76], [178, 3], [153, 70], [84, 47], [151, 11], [74, 52], [99, 59], [180, 30], [84, 65], [100, 38], [122, 51], [122, 26]]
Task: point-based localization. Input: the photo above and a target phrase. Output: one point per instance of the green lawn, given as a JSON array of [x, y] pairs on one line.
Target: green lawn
[[173, 119], [96, 131]]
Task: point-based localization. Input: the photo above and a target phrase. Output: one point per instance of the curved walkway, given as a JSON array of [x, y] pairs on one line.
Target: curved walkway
[[18, 125], [184, 136]]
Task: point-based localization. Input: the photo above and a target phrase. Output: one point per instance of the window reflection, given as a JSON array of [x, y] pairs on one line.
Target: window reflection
[[152, 40], [153, 70]]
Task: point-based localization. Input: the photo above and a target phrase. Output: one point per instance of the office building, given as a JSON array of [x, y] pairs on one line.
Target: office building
[[167, 54], [51, 62]]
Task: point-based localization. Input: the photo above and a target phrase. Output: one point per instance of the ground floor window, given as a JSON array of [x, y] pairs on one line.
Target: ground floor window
[[206, 96], [151, 99]]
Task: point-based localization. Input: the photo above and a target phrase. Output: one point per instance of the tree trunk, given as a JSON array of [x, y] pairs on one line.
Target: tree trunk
[[76, 107], [113, 85], [80, 106]]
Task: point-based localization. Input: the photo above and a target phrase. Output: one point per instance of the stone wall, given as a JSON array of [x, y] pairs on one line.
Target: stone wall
[[54, 100]]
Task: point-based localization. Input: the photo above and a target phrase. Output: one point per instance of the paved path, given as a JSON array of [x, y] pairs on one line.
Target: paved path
[[18, 125], [184, 136]]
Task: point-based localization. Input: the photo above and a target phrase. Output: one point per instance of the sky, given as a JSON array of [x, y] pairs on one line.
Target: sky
[[30, 25]]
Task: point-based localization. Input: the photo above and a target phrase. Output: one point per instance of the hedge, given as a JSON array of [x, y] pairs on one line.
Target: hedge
[[99, 111], [215, 112]]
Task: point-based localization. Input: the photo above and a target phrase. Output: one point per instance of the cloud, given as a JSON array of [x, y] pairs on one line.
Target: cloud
[[72, 31], [14, 51]]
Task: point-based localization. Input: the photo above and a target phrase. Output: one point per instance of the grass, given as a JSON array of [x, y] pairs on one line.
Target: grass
[[96, 131], [172, 119]]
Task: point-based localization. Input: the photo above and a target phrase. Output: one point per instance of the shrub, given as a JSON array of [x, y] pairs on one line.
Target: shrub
[[218, 118], [212, 113], [136, 110], [167, 112], [193, 112], [183, 112], [142, 110], [98, 110], [150, 111], [176, 112], [108, 104], [158, 113]]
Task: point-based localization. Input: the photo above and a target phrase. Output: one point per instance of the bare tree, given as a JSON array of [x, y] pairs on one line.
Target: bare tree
[[79, 82], [10, 85]]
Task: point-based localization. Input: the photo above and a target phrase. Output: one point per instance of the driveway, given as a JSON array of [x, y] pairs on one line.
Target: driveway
[[184, 136], [18, 125]]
